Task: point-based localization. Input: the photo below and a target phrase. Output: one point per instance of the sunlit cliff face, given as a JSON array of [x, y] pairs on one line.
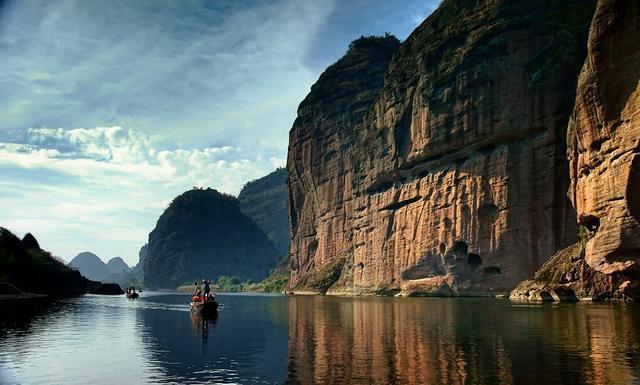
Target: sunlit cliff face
[[604, 140]]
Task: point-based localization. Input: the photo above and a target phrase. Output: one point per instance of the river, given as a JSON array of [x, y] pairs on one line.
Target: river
[[266, 339]]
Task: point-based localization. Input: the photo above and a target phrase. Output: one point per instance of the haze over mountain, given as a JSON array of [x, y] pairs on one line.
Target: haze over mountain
[[116, 266], [92, 267]]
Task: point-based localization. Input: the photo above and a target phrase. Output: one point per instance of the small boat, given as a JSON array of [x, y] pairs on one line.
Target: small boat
[[133, 295], [204, 307]]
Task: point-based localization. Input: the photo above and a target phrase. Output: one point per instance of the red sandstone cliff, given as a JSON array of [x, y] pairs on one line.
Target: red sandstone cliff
[[604, 139], [604, 155], [450, 177], [321, 145]]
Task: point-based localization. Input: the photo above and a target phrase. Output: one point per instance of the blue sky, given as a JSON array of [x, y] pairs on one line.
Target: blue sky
[[112, 108]]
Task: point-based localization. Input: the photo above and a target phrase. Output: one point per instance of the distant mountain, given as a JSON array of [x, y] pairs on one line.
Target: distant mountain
[[265, 201], [203, 233], [25, 265], [117, 266], [90, 266]]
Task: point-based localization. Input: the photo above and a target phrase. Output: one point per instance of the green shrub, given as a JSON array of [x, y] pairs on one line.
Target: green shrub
[[583, 234]]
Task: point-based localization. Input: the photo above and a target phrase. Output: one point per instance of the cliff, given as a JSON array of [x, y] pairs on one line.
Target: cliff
[[264, 200], [321, 146], [604, 155], [35, 270], [443, 172], [203, 233], [604, 139]]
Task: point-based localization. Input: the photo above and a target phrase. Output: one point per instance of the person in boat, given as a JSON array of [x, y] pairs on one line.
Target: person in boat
[[207, 289], [197, 291]]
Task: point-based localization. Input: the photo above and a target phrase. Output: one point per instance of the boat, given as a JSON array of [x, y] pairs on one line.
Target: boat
[[132, 295], [205, 307]]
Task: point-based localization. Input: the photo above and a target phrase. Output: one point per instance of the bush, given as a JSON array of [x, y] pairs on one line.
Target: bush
[[583, 234]]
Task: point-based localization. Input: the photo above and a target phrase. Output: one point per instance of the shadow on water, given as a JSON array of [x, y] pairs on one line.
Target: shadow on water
[[19, 315]]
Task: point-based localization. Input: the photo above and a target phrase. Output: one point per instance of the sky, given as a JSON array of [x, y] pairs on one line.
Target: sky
[[110, 109]]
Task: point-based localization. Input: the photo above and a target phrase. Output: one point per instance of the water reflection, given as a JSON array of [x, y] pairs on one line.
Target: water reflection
[[200, 327], [246, 344], [460, 341], [320, 340]]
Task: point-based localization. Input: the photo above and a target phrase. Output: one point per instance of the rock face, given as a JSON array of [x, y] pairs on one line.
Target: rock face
[[91, 266], [449, 176], [321, 146], [265, 201], [203, 233], [107, 289], [604, 141], [568, 277], [138, 269]]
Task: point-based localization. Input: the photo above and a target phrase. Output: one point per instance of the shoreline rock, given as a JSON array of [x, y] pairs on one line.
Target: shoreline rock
[[567, 277], [107, 289]]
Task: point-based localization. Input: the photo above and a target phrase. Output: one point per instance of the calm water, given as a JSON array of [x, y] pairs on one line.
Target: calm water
[[323, 340]]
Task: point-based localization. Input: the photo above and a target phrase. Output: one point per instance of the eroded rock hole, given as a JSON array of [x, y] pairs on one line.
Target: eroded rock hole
[[460, 249], [443, 248], [361, 265], [474, 259], [590, 222]]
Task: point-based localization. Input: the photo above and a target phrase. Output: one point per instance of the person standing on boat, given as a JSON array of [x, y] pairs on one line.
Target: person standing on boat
[[207, 290]]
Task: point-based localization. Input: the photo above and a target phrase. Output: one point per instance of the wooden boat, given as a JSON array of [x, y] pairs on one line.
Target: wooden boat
[[205, 308], [132, 295]]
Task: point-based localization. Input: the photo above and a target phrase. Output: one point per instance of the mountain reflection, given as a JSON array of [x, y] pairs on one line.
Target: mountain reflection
[[460, 341], [320, 340]]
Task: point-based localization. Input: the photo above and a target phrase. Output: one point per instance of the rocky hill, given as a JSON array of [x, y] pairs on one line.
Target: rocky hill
[[265, 201], [24, 264], [203, 233], [442, 170]]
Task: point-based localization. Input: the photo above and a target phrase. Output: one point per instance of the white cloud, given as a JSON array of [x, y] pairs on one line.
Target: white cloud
[[197, 72], [210, 87], [102, 189]]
